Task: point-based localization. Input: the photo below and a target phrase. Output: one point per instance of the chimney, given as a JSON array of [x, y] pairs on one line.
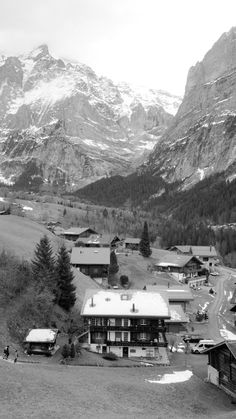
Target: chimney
[[133, 308], [92, 303]]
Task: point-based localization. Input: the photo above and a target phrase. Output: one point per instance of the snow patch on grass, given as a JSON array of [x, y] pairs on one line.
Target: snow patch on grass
[[176, 377]]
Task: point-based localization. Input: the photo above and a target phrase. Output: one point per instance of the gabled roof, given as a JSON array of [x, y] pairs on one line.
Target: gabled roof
[[78, 230], [196, 250], [90, 256], [132, 240], [41, 335], [231, 345], [173, 259], [126, 303], [176, 293]]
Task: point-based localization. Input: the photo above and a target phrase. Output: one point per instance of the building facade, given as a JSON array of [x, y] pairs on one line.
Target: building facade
[[128, 323]]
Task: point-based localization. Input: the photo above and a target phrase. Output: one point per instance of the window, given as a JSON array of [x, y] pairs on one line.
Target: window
[[126, 335], [143, 336], [118, 336], [126, 322], [118, 322], [143, 322], [132, 351]]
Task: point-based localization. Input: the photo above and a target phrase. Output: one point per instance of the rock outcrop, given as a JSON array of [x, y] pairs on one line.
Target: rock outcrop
[[202, 137]]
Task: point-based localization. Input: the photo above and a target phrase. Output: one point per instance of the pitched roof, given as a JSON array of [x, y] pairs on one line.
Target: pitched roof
[[196, 250], [90, 256], [177, 314], [132, 240], [173, 259], [127, 303], [176, 293], [41, 335], [231, 345], [77, 230], [96, 239]]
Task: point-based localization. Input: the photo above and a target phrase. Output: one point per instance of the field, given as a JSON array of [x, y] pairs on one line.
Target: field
[[19, 235], [39, 391]]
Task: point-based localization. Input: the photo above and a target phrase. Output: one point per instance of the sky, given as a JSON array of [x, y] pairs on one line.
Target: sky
[[149, 43]]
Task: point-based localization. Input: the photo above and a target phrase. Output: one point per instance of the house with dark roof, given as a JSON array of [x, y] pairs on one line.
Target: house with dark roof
[[132, 243], [91, 261], [74, 233], [179, 266], [207, 254], [222, 366], [98, 240]]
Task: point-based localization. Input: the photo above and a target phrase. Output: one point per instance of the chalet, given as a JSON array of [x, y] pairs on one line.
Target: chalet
[[74, 233], [206, 254], [179, 266], [91, 261], [132, 243], [222, 366], [130, 323], [98, 240], [41, 341]]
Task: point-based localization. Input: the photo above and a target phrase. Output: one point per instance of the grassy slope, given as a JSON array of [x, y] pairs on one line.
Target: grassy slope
[[19, 235], [56, 391]]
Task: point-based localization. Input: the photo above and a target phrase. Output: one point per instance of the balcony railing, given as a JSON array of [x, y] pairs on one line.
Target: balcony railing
[[136, 343], [136, 328]]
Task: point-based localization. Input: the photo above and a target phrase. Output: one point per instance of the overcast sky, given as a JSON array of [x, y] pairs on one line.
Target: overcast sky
[[146, 42]]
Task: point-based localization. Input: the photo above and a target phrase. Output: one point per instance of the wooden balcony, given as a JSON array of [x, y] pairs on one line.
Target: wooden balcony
[[137, 343], [134, 328]]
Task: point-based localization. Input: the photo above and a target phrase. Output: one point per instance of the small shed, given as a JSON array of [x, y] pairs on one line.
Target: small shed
[[222, 366], [132, 243], [41, 341]]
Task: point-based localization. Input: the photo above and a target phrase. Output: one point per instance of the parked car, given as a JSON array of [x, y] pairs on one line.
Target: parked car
[[214, 273], [202, 345]]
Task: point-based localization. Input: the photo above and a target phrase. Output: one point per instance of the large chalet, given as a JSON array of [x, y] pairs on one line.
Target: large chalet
[[129, 323], [91, 261], [206, 254]]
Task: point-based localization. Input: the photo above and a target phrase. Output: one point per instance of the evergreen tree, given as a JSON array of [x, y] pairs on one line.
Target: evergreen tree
[[114, 267], [66, 289], [144, 245], [43, 265]]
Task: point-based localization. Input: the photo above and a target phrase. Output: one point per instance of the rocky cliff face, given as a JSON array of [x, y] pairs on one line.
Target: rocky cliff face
[[62, 123], [202, 137]]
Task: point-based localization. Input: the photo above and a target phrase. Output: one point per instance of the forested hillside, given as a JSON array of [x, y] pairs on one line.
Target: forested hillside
[[119, 191]]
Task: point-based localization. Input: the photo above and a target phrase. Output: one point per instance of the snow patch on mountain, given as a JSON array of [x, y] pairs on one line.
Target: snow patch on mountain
[[48, 93]]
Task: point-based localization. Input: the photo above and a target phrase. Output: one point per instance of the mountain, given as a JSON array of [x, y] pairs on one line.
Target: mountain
[[62, 125], [202, 137]]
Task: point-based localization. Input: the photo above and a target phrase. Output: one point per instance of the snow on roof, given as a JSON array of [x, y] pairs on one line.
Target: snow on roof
[[132, 240], [128, 303], [176, 293], [41, 335], [90, 256], [177, 314]]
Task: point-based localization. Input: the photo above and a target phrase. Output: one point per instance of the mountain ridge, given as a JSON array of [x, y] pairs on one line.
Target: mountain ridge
[[109, 128]]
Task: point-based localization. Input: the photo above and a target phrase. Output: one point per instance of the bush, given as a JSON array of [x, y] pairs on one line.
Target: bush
[[110, 356], [124, 280]]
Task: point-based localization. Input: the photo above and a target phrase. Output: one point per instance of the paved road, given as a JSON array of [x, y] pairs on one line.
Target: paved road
[[214, 308]]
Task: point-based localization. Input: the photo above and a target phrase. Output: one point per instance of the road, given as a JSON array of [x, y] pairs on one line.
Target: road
[[214, 309]]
